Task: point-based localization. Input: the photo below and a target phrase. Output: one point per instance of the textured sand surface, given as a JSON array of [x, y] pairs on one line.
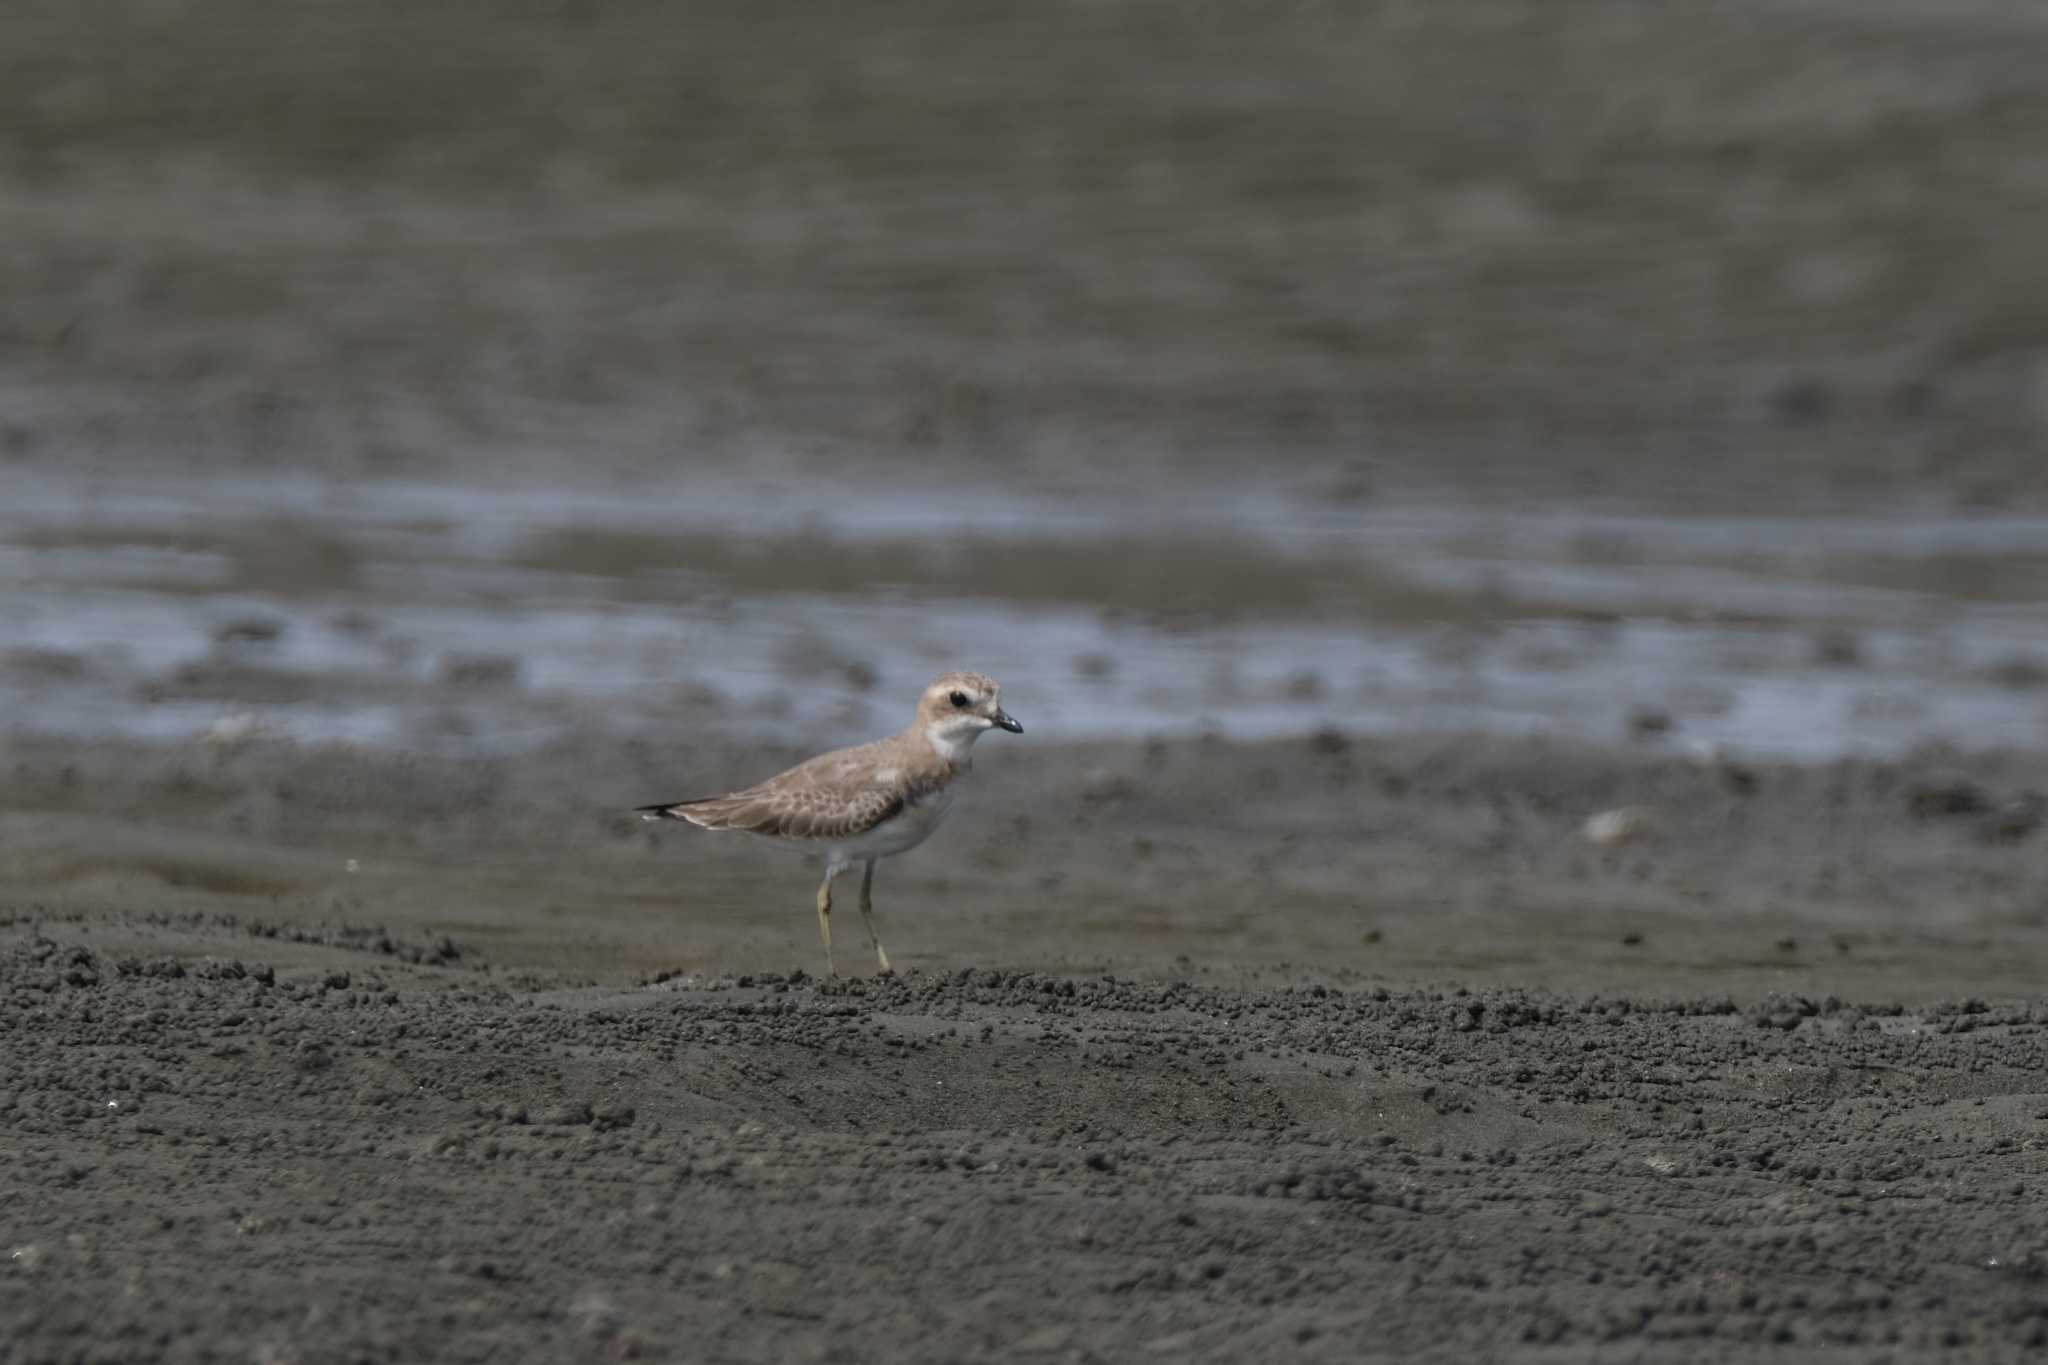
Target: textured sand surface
[[1167, 1073], [1327, 1047], [1770, 252], [362, 1159]]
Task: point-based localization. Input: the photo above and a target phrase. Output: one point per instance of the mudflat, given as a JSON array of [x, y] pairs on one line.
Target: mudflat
[[421, 442], [1765, 254], [1200, 1049]]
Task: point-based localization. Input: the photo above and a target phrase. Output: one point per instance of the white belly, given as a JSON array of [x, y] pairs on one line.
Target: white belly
[[904, 831]]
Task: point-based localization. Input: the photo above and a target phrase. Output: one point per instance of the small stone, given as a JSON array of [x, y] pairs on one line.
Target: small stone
[[236, 729], [1622, 825], [1648, 722], [2015, 821], [1944, 794]]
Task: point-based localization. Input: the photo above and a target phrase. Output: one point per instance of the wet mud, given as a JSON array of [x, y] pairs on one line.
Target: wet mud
[[1444, 1071], [420, 446], [344, 1156]]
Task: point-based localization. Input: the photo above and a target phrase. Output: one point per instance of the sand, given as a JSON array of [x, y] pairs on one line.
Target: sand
[[415, 1045], [1357, 1051]]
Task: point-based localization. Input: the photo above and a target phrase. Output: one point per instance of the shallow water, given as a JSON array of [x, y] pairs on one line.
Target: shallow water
[[412, 615]]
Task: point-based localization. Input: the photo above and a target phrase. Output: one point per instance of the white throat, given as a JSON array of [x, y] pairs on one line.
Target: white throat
[[952, 742]]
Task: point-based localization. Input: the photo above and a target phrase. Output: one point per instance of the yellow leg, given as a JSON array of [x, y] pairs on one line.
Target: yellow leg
[[825, 918], [867, 913]]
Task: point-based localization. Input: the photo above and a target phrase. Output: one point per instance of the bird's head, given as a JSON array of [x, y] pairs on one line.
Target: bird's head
[[958, 707]]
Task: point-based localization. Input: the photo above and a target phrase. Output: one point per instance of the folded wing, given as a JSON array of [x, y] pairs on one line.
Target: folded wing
[[832, 797]]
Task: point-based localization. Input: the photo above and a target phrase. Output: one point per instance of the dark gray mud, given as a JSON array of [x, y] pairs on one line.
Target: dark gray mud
[[1472, 858], [1327, 1046], [356, 1157], [1769, 253], [1203, 1051]]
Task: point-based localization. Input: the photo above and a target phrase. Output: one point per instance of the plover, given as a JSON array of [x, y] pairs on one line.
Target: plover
[[861, 804]]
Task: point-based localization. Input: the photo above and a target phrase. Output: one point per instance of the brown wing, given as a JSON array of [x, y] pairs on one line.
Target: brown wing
[[833, 796]]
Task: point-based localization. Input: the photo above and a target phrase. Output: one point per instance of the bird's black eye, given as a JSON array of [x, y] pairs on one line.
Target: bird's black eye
[[959, 699]]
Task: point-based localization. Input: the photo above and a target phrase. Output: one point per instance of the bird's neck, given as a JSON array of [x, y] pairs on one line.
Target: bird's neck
[[955, 747]]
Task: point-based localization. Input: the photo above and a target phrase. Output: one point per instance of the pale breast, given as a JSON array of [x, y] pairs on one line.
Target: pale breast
[[907, 829]]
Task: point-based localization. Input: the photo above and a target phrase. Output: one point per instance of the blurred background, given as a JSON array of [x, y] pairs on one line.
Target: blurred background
[[471, 381]]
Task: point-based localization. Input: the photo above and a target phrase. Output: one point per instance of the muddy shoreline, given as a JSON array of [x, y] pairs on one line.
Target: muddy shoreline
[[1469, 859], [1698, 260], [354, 1157], [1389, 1061], [422, 442]]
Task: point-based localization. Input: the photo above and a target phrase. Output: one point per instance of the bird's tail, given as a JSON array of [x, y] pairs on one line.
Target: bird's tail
[[668, 810]]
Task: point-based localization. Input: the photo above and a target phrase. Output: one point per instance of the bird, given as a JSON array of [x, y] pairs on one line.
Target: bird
[[866, 803]]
